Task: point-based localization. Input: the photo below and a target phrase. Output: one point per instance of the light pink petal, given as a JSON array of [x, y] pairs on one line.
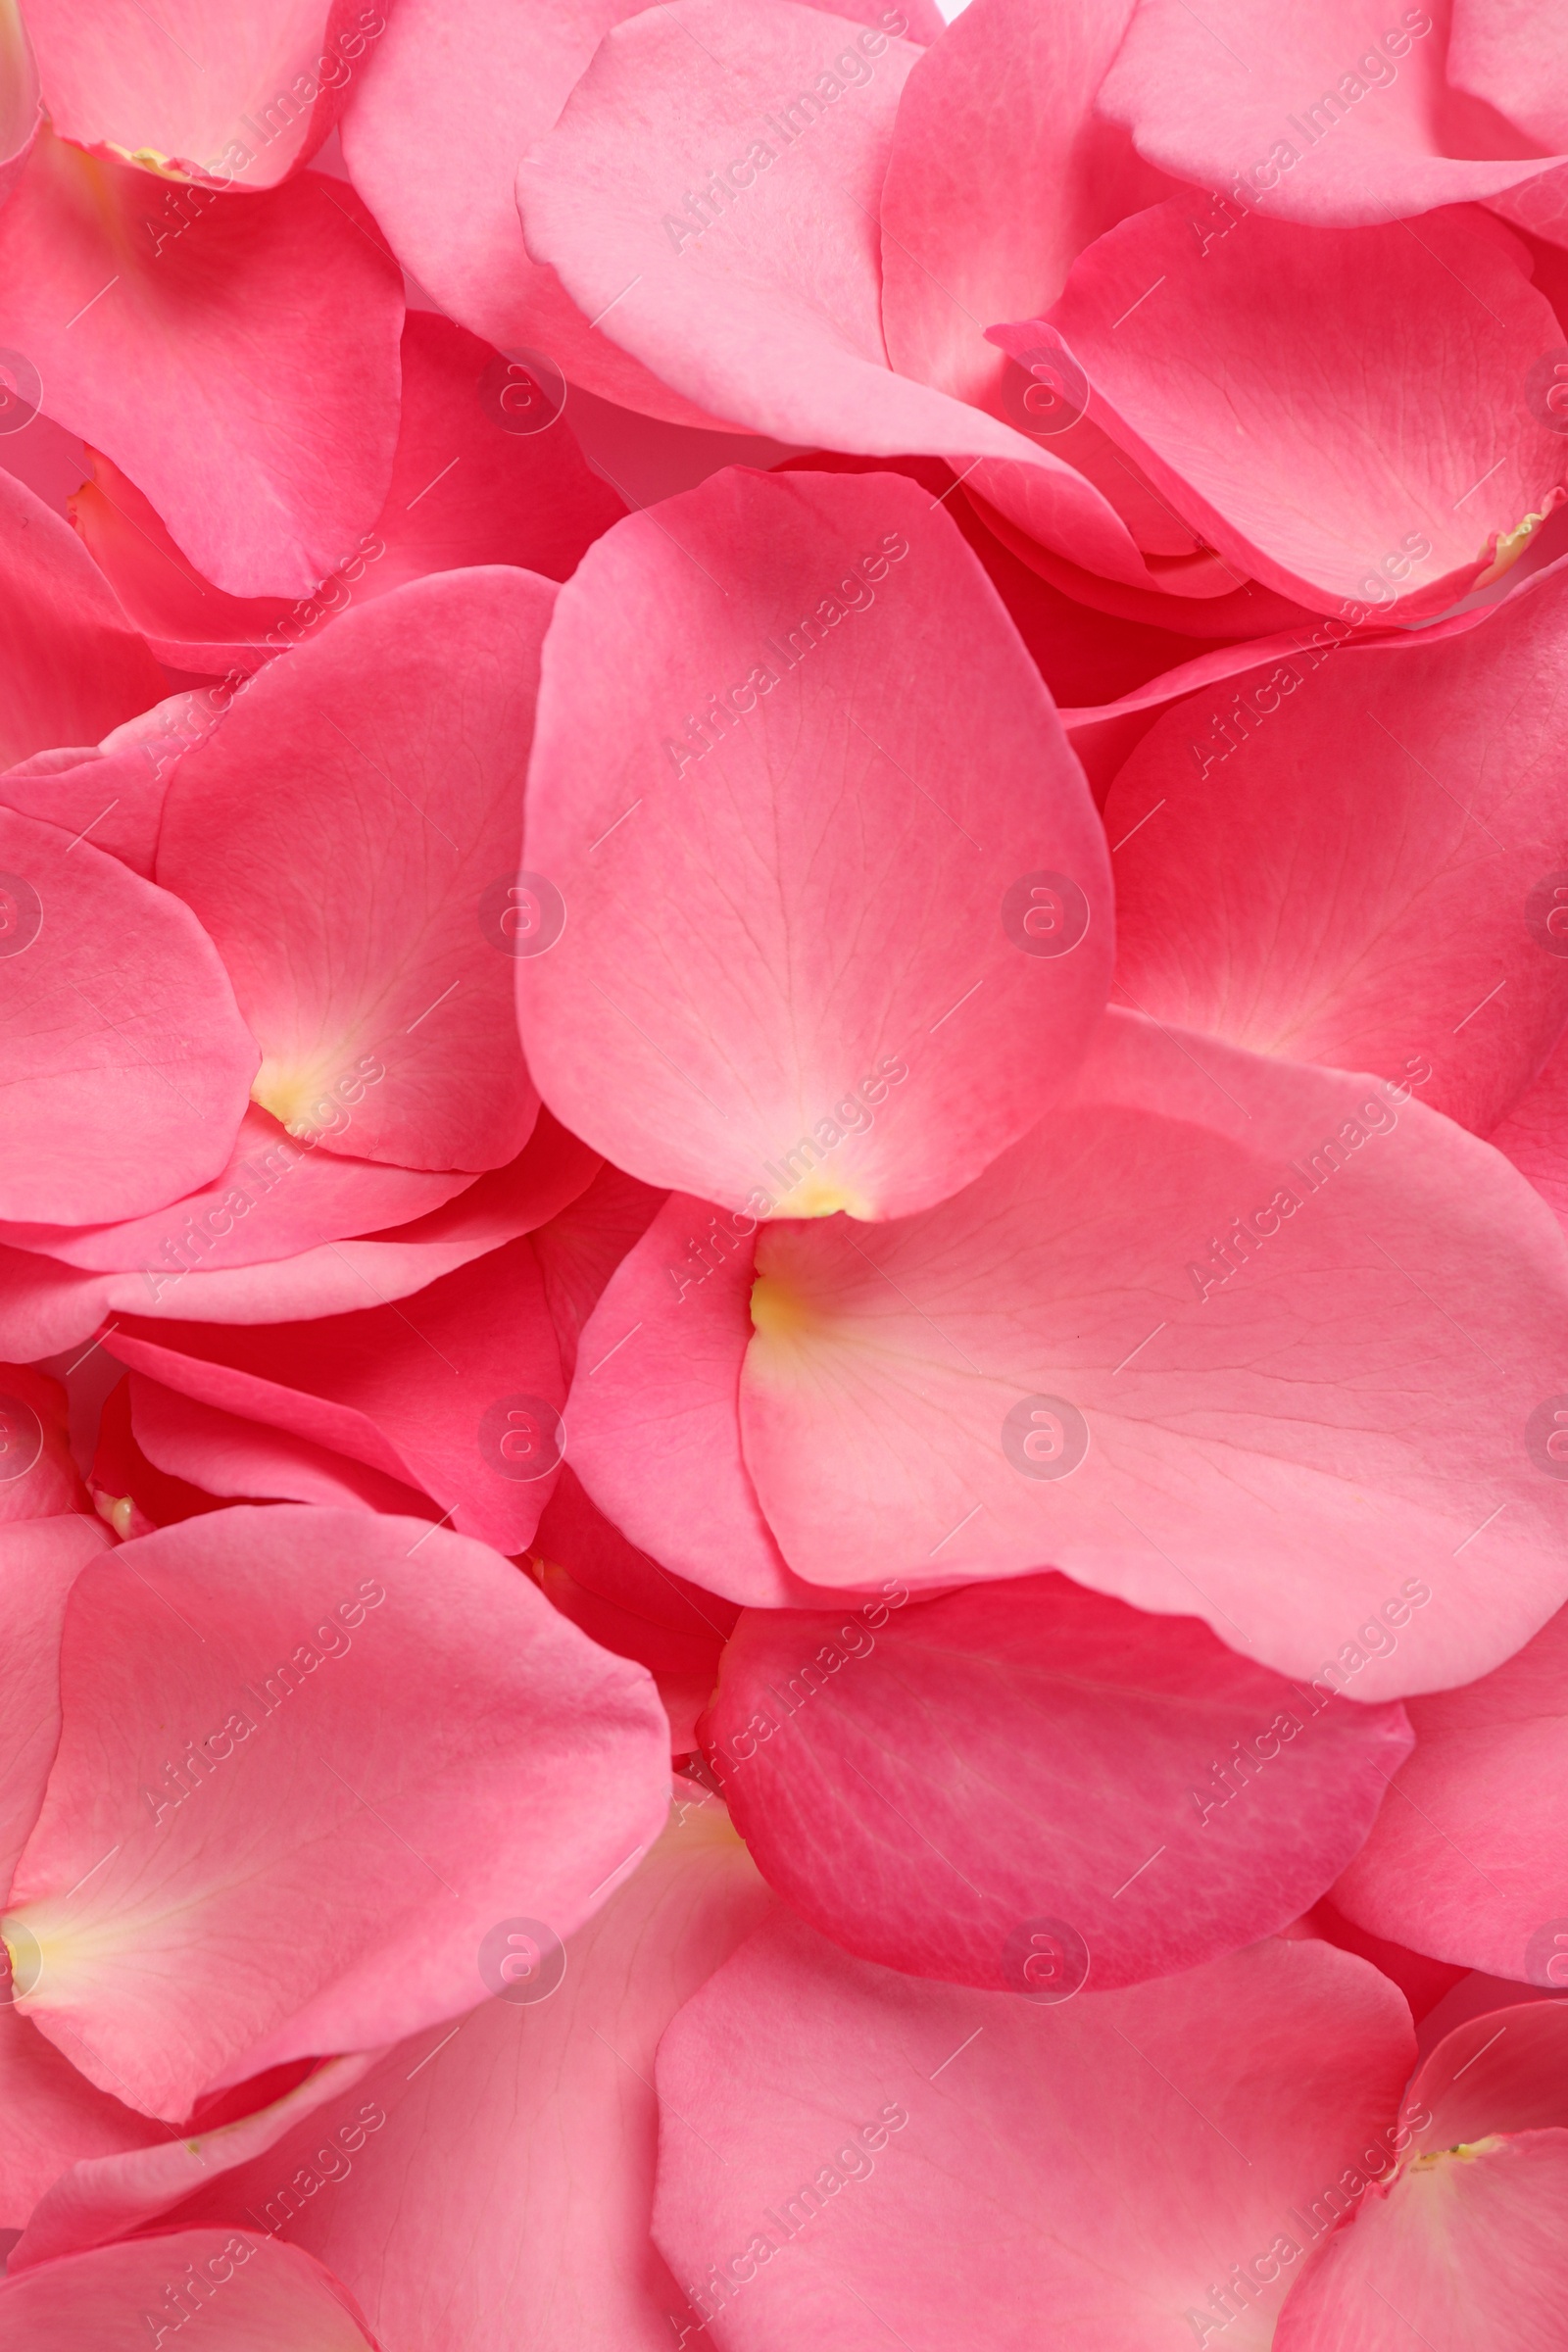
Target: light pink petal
[[1309, 1427], [113, 792], [205, 90], [251, 2297], [75, 665], [279, 1194], [40, 1560], [468, 92], [833, 939], [1350, 857], [19, 110], [1372, 470], [1514, 54], [54, 2118], [226, 1457], [45, 1306], [105, 2196], [496, 2183], [866, 2156], [1469, 1859], [457, 1393], [653, 1417], [770, 314], [38, 1479], [463, 492], [1464, 2253], [126, 1061], [999, 176], [1335, 114], [342, 835], [268, 324], [915, 1781], [397, 1748]]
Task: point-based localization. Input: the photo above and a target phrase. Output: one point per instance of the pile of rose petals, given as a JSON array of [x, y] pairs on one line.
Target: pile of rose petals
[[784, 1039]]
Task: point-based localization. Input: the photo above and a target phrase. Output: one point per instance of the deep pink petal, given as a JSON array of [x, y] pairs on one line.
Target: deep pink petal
[[457, 1391], [574, 1532], [113, 792], [126, 1060], [220, 1457], [266, 325], [75, 665], [463, 492], [866, 2156], [1469, 1859], [441, 1745], [338, 835], [1348, 855], [1535, 1133], [917, 1782], [581, 1249], [41, 1559], [1305, 1427], [828, 937], [1374, 470]]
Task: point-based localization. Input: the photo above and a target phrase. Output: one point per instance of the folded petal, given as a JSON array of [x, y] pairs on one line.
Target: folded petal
[[652, 1420], [997, 176], [837, 938], [126, 1059], [113, 791], [866, 2156], [1512, 55], [75, 665], [1467, 1859], [342, 835], [54, 2118], [1306, 1432], [458, 1392], [916, 1783], [581, 1249], [38, 1479], [184, 93], [1388, 467], [1337, 116], [498, 2179], [1348, 855], [122, 2298], [1463, 2252], [266, 325], [395, 1748], [729, 233], [217, 1457], [463, 492], [467, 93]]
